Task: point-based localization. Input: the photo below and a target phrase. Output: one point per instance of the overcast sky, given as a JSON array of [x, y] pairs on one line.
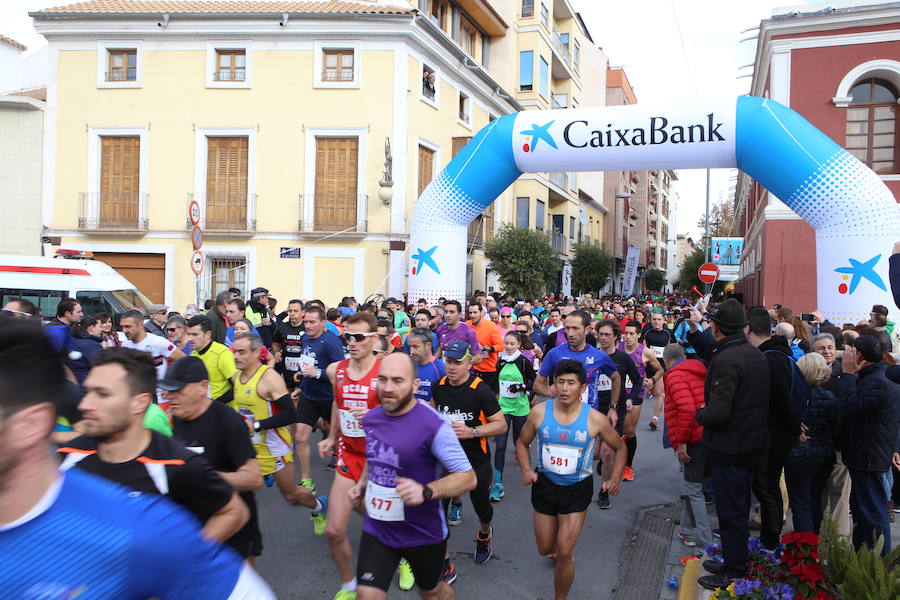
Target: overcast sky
[[643, 37]]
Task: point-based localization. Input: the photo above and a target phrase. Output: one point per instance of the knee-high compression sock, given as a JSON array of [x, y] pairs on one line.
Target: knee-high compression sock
[[631, 444]]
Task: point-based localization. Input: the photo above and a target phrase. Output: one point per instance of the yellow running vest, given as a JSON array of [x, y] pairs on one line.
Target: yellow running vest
[[268, 442]]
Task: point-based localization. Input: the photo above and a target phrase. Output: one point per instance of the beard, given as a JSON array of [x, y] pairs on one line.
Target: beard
[[395, 405]]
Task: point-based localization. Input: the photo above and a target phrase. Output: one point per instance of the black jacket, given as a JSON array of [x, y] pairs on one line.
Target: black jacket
[[736, 392], [784, 420], [219, 325], [820, 417], [870, 406], [151, 326], [702, 342]]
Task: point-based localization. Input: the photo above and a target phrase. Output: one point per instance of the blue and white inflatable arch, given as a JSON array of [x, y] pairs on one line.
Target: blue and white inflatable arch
[[854, 214]]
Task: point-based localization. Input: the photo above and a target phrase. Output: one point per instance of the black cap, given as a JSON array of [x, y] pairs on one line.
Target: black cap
[[729, 314], [257, 292], [183, 371]]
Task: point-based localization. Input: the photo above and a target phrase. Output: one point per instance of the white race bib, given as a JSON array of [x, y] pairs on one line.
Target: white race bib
[[604, 383], [628, 384], [584, 394], [657, 351], [562, 460], [351, 427], [292, 363], [383, 503], [307, 360], [504, 389]]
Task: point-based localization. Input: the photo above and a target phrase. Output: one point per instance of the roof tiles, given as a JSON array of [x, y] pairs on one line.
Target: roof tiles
[[223, 7]]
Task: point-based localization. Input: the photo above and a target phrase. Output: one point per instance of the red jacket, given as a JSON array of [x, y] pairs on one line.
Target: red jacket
[[684, 395]]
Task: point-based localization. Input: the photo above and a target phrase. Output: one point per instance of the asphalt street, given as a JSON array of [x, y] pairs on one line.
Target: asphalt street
[[298, 566]]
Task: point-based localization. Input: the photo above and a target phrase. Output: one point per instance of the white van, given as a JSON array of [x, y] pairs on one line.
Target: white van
[[68, 274]]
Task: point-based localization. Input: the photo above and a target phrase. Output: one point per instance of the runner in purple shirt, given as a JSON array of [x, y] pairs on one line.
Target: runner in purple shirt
[[453, 329], [407, 445]]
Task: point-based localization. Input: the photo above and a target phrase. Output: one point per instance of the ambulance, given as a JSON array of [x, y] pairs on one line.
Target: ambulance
[[46, 280]]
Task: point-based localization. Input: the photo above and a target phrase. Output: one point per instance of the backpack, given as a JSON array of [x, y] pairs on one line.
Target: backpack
[[801, 393]]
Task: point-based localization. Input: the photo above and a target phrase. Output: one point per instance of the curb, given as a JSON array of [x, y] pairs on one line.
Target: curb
[[689, 588]]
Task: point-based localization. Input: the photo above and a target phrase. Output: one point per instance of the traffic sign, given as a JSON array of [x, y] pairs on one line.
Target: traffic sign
[[197, 237], [195, 213], [708, 272], [197, 262]]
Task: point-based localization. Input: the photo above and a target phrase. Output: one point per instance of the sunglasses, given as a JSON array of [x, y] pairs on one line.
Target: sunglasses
[[18, 313], [171, 329], [358, 337]]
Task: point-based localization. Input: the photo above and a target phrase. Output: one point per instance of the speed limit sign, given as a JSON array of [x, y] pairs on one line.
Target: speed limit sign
[[197, 262], [195, 213]]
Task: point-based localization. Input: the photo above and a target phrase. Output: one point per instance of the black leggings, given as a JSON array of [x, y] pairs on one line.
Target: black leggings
[[480, 496], [514, 425]]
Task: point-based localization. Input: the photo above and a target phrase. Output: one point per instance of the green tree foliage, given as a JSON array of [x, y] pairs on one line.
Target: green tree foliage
[[590, 268], [721, 220], [524, 261], [655, 279]]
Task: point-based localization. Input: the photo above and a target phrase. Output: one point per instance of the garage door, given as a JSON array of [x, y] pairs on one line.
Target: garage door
[[146, 271]]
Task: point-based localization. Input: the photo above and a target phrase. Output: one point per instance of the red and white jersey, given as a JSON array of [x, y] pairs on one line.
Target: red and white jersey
[[349, 394]]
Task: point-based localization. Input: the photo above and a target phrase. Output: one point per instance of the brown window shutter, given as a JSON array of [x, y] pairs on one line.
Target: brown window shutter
[[120, 176], [337, 167], [426, 168], [227, 164]]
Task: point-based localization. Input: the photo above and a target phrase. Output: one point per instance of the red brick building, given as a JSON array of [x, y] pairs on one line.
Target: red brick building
[[840, 69]]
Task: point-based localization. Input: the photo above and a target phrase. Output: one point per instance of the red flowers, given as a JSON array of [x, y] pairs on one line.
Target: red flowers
[[801, 554]]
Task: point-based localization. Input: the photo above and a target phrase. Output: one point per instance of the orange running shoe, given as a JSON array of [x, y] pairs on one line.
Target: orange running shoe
[[628, 475]]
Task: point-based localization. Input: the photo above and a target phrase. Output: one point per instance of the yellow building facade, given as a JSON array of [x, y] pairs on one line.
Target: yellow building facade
[[300, 137]]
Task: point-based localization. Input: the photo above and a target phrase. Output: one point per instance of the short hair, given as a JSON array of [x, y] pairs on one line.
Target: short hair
[[824, 336], [203, 321], [234, 291], [208, 304], [880, 309], [583, 315], [879, 320], [388, 325], [363, 317], [316, 301], [567, 366], [222, 298], [635, 324], [140, 372], [494, 309], [317, 310], [476, 305], [784, 313], [333, 314], [836, 333], [554, 309], [176, 321], [296, 301], [422, 301], [424, 311], [526, 313], [786, 329], [255, 341], [135, 315], [453, 303], [614, 325], [27, 306], [66, 305], [869, 347], [439, 310], [345, 301], [814, 369], [760, 321], [241, 305], [423, 335], [31, 370], [673, 353]]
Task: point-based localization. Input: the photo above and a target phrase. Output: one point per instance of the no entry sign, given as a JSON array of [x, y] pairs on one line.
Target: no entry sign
[[708, 272]]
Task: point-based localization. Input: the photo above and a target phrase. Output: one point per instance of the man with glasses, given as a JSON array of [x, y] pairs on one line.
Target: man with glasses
[[157, 321], [176, 332], [20, 309]]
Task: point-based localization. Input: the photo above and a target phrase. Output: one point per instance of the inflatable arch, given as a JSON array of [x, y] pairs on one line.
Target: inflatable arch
[[854, 214]]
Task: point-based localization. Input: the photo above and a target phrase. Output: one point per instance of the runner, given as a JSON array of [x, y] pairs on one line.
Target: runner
[[431, 369], [69, 534], [515, 373], [490, 342], [318, 349], [471, 408], [117, 446], [216, 432], [216, 357], [261, 397], [406, 443], [657, 337], [650, 373], [562, 482], [136, 337], [453, 329], [287, 343], [608, 338]]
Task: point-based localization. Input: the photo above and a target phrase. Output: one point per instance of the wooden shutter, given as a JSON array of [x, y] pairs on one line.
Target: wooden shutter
[[120, 173], [337, 163], [226, 182], [426, 167], [459, 143]]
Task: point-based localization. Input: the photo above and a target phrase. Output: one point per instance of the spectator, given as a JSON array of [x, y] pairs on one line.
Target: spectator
[[878, 322], [802, 336], [683, 382], [809, 463], [871, 405], [786, 330], [21, 309], [191, 310], [176, 332], [159, 314], [258, 313], [108, 336], [68, 312], [217, 318], [86, 337]]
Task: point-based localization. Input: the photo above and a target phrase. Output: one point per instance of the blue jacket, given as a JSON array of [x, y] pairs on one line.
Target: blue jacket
[[88, 345], [820, 416]]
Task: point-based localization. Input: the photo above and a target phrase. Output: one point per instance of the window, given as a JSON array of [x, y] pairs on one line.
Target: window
[[571, 228], [120, 173], [871, 124], [468, 36], [526, 70], [46, 300], [438, 12], [337, 65], [459, 143], [527, 8], [539, 215], [545, 15], [337, 169], [576, 54], [559, 101], [227, 273], [523, 208], [227, 161], [231, 65], [426, 167], [464, 105], [544, 75], [429, 89], [122, 65]]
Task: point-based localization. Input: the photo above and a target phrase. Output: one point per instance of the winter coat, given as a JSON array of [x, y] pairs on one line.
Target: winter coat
[[88, 345], [684, 395], [219, 325], [870, 410], [784, 420], [820, 418], [736, 391]]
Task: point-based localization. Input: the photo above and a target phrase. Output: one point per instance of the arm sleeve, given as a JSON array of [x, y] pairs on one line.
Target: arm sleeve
[[227, 396], [496, 340], [702, 342], [851, 401], [285, 416], [473, 341], [446, 448], [717, 411], [547, 366]]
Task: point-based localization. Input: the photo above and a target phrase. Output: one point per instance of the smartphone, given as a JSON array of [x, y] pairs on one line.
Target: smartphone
[[808, 317]]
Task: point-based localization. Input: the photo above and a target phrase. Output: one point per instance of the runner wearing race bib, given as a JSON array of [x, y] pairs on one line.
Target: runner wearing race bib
[[562, 484], [657, 338]]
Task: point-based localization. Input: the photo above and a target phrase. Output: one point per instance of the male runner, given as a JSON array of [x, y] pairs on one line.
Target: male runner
[[490, 343], [136, 337], [287, 343], [70, 534], [318, 349], [216, 357], [355, 381], [117, 446], [562, 482], [453, 329], [406, 443], [608, 338], [657, 338], [216, 432], [650, 373], [431, 369], [472, 410], [261, 397]]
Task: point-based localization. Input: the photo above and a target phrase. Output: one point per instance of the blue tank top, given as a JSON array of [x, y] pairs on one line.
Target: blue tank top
[[565, 452]]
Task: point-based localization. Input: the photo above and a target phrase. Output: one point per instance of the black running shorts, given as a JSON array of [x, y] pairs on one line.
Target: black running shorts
[[548, 498], [309, 412], [377, 563]]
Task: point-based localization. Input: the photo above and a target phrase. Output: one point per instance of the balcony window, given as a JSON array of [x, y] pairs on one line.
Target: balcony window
[[336, 191], [539, 215], [545, 15], [871, 124], [122, 65], [429, 83], [544, 78], [231, 65], [438, 13], [464, 108], [576, 54], [572, 228], [337, 65], [227, 177], [468, 36], [523, 208], [526, 70], [559, 101], [527, 8]]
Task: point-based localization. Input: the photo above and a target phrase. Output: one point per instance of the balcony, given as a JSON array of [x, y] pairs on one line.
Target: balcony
[[562, 59], [558, 242], [113, 212], [230, 213], [560, 180], [559, 101], [340, 214]]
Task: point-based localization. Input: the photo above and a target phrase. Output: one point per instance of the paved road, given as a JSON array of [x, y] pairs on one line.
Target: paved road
[[298, 566]]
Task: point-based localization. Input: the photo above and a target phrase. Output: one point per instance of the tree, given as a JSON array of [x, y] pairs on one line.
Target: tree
[[590, 268], [524, 261], [688, 277], [655, 279], [721, 220]]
